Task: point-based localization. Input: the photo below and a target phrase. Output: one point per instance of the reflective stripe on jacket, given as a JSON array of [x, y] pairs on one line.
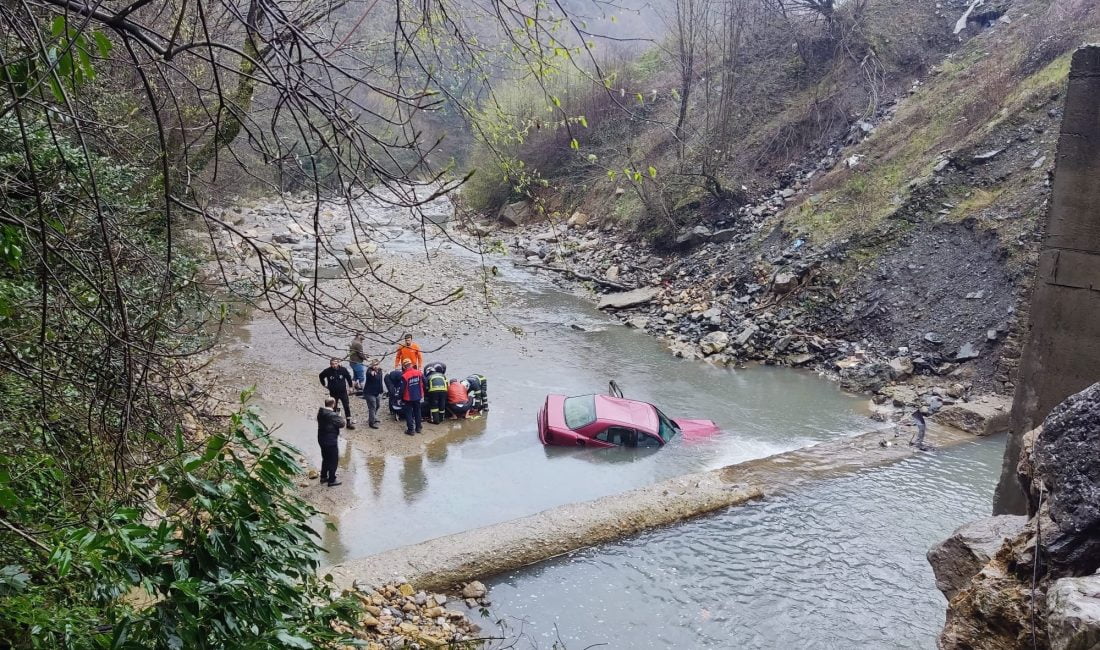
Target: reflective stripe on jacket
[[436, 383]]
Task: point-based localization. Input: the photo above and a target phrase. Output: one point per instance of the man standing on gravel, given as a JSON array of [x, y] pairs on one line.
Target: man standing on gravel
[[356, 359], [337, 379], [372, 391], [412, 393], [408, 350], [329, 424]]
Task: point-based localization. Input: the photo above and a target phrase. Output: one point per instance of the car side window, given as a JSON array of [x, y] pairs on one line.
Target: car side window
[[624, 437], [618, 436]]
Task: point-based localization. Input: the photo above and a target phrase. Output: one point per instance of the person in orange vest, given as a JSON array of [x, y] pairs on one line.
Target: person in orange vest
[[410, 350]]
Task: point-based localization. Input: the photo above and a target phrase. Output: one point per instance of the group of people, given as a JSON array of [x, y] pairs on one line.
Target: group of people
[[414, 391]]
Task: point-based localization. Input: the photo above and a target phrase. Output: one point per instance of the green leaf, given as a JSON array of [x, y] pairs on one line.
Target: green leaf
[[290, 641], [573, 144], [103, 43], [13, 579], [652, 171], [583, 122]]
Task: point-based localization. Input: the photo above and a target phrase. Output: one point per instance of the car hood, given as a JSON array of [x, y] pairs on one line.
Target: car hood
[[696, 428]]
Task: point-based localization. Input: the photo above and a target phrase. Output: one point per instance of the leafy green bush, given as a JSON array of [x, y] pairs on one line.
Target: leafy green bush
[[216, 553]]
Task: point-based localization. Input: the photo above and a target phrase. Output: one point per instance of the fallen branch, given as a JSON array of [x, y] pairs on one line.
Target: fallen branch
[[580, 276]]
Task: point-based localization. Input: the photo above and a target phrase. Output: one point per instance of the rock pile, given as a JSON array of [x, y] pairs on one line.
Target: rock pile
[[396, 615], [1034, 582]]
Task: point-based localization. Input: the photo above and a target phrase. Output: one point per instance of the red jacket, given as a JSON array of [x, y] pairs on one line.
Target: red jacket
[[456, 393], [412, 385]]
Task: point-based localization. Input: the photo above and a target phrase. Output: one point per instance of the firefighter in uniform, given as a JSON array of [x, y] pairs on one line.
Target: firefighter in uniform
[[437, 396], [478, 388]]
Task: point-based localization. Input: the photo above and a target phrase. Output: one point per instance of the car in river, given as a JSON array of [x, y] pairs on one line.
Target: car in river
[[609, 421]]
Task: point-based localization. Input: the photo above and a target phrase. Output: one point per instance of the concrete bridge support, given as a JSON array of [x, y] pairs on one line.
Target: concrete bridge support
[[1062, 345]]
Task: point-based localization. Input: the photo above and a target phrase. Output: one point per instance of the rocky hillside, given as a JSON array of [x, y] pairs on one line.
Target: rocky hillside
[[897, 250]]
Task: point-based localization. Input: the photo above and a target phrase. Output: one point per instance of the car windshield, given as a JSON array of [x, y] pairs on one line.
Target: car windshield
[[668, 427], [580, 411]]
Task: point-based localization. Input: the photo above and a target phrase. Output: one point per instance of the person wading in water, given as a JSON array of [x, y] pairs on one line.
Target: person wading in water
[[329, 424]]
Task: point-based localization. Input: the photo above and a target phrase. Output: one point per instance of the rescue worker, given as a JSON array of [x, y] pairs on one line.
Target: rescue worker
[[356, 360], [458, 399], [412, 394], [408, 350], [918, 440], [329, 424], [337, 379], [434, 366], [437, 395], [394, 381], [478, 387], [372, 391]]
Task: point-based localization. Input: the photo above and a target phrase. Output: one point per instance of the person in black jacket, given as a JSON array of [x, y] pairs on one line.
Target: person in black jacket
[[329, 424], [394, 382], [372, 391], [337, 380]]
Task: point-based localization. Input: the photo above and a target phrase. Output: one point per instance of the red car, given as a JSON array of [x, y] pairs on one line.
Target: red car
[[606, 421]]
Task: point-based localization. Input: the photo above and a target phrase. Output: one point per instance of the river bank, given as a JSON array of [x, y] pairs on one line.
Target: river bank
[[740, 295]]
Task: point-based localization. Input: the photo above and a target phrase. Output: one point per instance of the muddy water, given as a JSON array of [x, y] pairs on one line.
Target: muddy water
[[838, 564], [494, 469]]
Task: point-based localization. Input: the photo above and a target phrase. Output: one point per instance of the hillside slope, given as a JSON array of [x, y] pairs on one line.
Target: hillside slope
[[897, 245]]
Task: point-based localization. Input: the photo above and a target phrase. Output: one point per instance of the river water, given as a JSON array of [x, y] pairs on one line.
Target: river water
[[836, 564], [494, 469]]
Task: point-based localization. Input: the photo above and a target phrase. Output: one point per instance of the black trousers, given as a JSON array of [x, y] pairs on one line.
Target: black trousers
[[342, 398], [330, 457], [412, 416], [437, 405]]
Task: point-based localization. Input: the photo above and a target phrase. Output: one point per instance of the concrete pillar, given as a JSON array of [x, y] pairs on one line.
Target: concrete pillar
[[1062, 345]]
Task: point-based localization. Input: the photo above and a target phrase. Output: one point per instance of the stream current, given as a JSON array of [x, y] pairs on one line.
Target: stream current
[[837, 564]]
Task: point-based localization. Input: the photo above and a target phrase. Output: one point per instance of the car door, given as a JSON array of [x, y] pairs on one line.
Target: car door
[[617, 436]]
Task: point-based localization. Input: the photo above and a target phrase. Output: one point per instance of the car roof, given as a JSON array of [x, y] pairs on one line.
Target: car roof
[[626, 412]]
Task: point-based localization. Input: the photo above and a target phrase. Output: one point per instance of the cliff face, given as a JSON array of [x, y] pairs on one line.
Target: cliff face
[[1062, 350], [1040, 586]]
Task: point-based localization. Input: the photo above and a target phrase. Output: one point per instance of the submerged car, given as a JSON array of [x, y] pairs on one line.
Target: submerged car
[[608, 421]]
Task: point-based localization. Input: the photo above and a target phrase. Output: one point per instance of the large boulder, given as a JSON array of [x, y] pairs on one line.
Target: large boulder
[[960, 557], [516, 214], [901, 366], [1041, 583], [578, 220], [982, 416], [692, 237], [1067, 458], [633, 298], [1073, 614], [784, 282], [714, 342]]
